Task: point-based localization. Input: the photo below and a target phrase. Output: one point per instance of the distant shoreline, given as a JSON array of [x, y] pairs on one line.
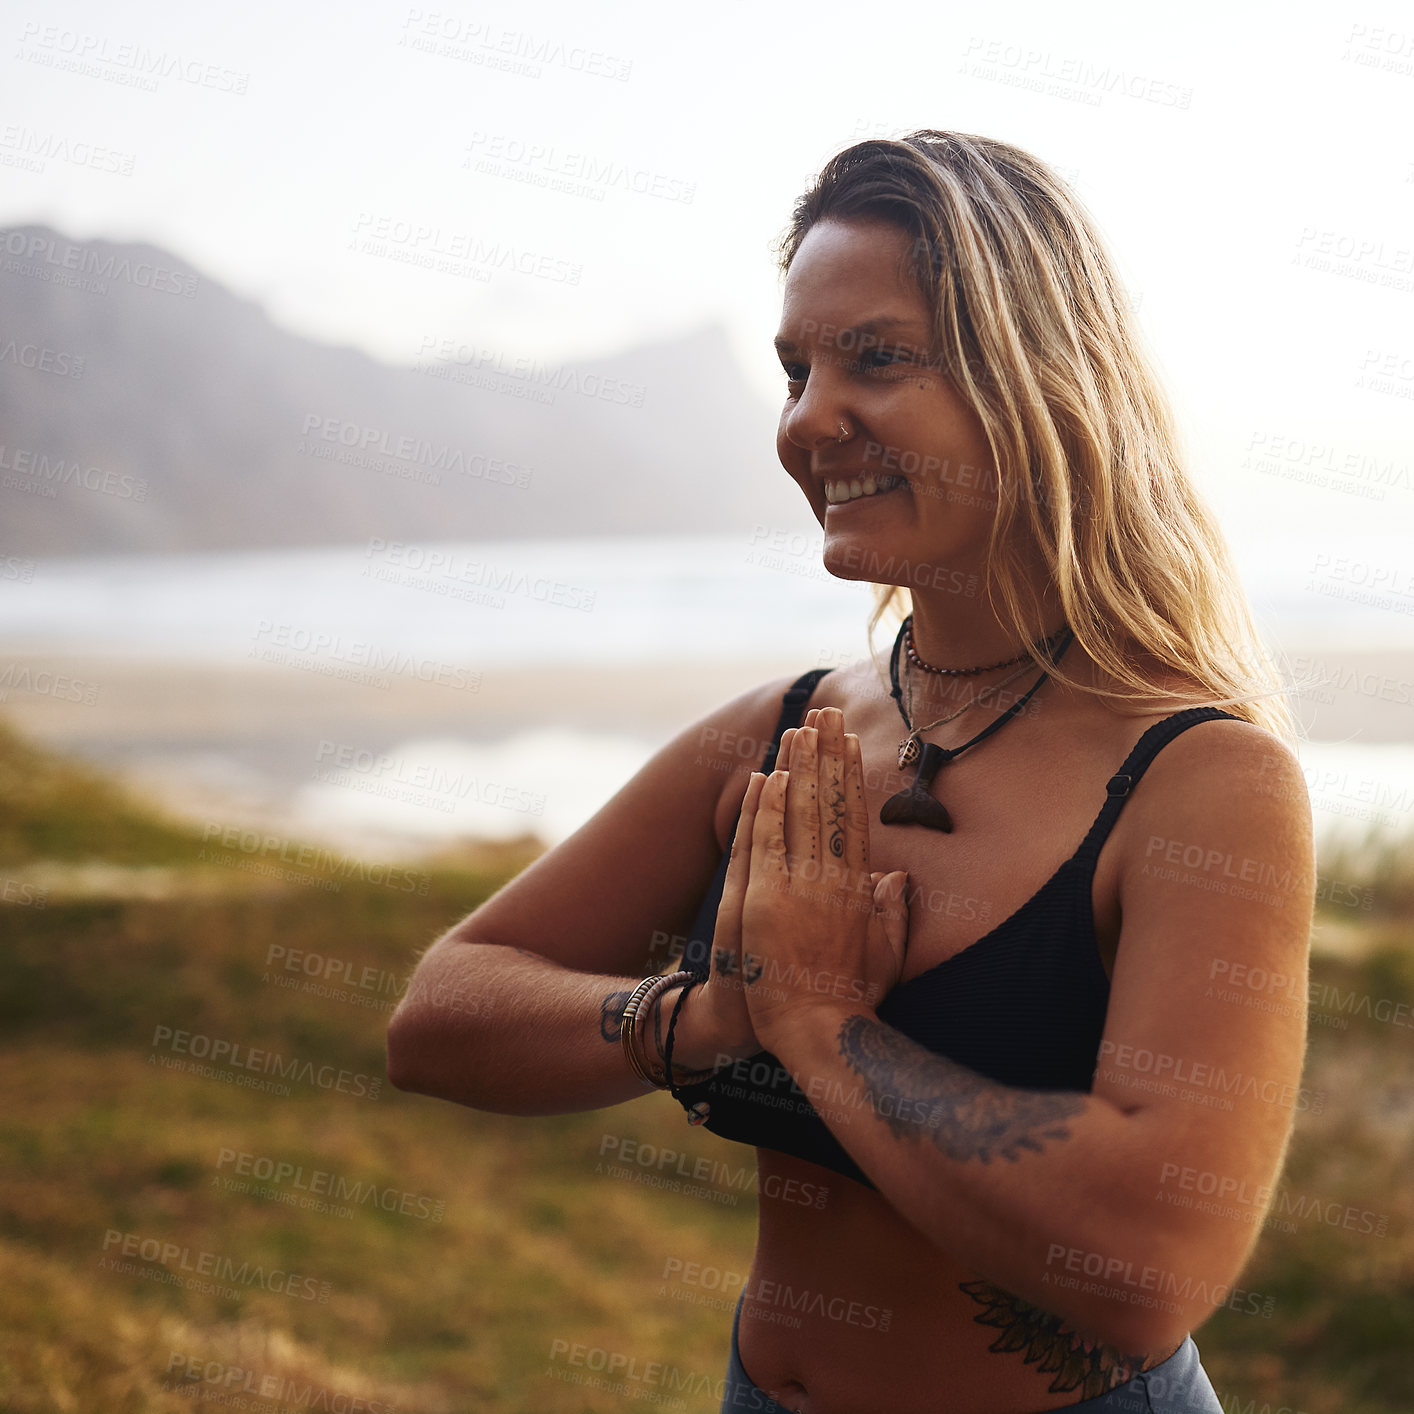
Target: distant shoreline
[[249, 743]]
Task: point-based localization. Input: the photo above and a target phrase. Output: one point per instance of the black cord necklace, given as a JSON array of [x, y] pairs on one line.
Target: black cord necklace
[[915, 805]]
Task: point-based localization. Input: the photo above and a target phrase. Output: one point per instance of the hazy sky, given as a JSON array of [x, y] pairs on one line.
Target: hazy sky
[[601, 176]]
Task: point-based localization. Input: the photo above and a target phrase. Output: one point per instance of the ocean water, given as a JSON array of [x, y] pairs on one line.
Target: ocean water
[[483, 605], [499, 603], [473, 606]]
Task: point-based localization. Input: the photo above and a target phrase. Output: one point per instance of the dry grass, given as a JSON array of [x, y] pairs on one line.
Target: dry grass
[[535, 1243]]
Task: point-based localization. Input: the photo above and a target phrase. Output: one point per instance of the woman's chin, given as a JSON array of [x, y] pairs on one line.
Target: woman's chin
[[856, 557]]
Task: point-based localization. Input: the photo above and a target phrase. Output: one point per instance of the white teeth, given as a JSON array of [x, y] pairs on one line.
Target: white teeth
[[838, 492]]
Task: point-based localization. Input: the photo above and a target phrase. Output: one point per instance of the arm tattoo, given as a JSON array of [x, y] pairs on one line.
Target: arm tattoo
[[963, 1114], [1048, 1343], [611, 1015]]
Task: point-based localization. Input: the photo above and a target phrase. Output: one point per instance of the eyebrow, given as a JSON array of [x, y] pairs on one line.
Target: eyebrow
[[856, 332]]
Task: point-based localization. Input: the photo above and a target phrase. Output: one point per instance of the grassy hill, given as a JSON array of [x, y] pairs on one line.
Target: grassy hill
[[181, 1222]]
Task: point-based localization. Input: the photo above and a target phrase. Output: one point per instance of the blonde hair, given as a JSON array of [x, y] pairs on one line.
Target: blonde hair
[[1038, 337]]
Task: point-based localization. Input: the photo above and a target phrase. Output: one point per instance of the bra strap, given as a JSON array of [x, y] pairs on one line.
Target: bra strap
[[697, 954], [1119, 786]]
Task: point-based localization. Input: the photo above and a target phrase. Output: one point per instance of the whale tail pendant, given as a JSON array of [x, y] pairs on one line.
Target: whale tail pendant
[[914, 805]]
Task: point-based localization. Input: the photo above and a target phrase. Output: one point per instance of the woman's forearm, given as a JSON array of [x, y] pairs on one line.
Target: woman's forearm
[[1045, 1192], [501, 1029]]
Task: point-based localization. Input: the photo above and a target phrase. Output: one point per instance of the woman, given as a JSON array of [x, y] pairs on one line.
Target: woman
[[969, 958]]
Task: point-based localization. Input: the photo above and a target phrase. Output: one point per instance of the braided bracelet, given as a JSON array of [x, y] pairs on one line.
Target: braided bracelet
[[673, 1026], [688, 1077], [697, 1113]]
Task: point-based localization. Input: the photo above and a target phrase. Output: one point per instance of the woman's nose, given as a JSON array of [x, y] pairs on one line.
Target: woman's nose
[[815, 422]]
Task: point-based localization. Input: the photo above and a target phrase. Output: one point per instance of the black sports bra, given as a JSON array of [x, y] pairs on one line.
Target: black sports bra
[[1025, 1004]]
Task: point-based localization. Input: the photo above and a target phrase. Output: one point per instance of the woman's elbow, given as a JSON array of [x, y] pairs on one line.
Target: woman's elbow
[[1145, 1301], [1149, 1312], [407, 1050], [415, 1036]]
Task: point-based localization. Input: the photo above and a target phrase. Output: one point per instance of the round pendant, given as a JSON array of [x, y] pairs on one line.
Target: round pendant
[[908, 752]]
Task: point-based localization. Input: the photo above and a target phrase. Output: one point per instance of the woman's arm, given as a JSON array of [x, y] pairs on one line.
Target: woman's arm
[[517, 1008], [502, 1029], [1069, 1200]]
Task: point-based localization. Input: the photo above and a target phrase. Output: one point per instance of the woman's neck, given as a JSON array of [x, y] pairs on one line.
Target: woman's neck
[[953, 631], [957, 632]]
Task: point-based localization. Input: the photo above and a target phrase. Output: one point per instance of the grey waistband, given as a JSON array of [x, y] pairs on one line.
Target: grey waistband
[[1178, 1385]]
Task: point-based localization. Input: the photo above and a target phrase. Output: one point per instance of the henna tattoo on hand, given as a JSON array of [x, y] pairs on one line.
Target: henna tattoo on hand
[[724, 961], [1045, 1341], [611, 1015], [963, 1114], [834, 803]]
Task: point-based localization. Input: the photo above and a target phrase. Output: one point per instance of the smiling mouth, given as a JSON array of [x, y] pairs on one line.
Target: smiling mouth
[[858, 488]]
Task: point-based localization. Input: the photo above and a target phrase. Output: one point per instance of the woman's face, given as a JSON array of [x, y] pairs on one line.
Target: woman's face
[[856, 343]]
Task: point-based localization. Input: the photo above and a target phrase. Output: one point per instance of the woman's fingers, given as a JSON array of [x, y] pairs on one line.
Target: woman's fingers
[[768, 836], [802, 824], [735, 883], [827, 819], [891, 913], [856, 812], [726, 939], [783, 750], [830, 729]]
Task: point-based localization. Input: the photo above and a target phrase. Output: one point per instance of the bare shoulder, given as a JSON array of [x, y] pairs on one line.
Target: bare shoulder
[[1216, 759], [1228, 799], [1223, 791], [1226, 758]]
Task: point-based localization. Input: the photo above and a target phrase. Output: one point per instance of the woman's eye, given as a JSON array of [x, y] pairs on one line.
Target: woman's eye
[[881, 358], [795, 373]]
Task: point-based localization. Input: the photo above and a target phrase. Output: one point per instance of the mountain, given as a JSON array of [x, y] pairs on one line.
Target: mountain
[[144, 407]]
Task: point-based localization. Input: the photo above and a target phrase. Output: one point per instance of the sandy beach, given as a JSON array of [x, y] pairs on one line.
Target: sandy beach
[[238, 741]]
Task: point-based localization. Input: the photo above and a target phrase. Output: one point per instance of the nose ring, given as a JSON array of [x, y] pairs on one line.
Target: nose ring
[[844, 433]]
